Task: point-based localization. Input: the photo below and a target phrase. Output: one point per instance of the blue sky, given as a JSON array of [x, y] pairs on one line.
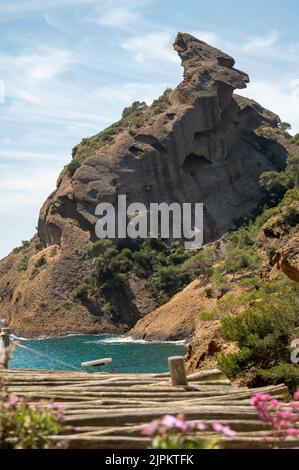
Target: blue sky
[[69, 67]]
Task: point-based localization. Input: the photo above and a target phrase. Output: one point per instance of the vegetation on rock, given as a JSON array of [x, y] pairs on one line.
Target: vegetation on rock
[[133, 118], [263, 334], [165, 268]]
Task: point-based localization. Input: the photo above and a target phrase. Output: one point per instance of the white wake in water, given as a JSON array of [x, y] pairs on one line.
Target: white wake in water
[[130, 339]]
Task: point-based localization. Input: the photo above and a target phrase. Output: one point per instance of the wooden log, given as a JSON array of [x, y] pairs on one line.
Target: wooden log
[[97, 362], [102, 442], [120, 417], [205, 375], [258, 442], [4, 347], [177, 371]]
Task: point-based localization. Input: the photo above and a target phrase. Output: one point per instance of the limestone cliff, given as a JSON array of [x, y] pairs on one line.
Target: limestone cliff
[[280, 239], [197, 144]]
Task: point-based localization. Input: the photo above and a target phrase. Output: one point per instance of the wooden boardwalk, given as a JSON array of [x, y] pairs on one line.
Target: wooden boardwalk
[[108, 411]]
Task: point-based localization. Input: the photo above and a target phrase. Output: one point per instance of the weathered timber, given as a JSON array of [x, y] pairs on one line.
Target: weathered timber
[[110, 410], [4, 347], [177, 370]]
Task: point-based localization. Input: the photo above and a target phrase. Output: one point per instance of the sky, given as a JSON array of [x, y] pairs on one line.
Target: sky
[[69, 67]]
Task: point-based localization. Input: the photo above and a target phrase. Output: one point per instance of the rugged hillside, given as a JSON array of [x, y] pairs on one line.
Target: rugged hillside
[[242, 315], [177, 319], [195, 144]]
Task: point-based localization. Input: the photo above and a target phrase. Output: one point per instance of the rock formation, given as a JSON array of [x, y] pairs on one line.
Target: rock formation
[[182, 309], [280, 239], [196, 145]]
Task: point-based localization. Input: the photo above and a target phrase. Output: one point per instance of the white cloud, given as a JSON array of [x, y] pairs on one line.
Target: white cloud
[[280, 97], [9, 154], [117, 17], [34, 86], [2, 91], [26, 187], [260, 43], [130, 92], [22, 193], [119, 13], [30, 181], [152, 46], [18, 7], [211, 38], [42, 65]]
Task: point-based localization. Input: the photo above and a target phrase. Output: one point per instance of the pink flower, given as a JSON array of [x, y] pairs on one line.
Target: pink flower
[[59, 415], [173, 422], [292, 432], [259, 399], [56, 406], [151, 428], [285, 414], [14, 400], [296, 395], [226, 430], [200, 426], [274, 403], [217, 426]]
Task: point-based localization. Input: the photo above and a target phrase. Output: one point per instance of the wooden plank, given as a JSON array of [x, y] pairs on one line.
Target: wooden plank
[[97, 362], [177, 370], [109, 410]]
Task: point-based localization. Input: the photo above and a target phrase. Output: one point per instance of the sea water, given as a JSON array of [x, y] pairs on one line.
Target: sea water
[[127, 355]]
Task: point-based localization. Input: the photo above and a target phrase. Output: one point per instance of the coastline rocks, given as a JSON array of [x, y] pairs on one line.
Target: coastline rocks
[[280, 239], [200, 147], [177, 319]]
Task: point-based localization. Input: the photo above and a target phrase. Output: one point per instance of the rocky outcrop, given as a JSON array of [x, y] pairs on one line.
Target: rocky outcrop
[[200, 146], [280, 241], [180, 319], [177, 319], [200, 149]]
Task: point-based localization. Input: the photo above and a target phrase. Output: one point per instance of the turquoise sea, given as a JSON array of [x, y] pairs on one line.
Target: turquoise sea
[[127, 355]]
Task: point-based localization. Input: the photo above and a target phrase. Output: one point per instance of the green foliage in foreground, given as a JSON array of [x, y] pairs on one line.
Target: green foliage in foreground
[[263, 335], [27, 426]]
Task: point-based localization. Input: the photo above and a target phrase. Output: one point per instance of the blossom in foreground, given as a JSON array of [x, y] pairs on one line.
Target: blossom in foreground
[[282, 417], [14, 400], [173, 432], [226, 430]]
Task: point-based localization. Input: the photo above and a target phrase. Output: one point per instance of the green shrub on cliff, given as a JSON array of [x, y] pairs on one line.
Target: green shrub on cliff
[[42, 261], [81, 291], [111, 265], [73, 166], [169, 279], [295, 139], [22, 264], [133, 118], [263, 335], [201, 262], [285, 126], [238, 259], [162, 266], [136, 106], [276, 184], [162, 103], [103, 248]]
